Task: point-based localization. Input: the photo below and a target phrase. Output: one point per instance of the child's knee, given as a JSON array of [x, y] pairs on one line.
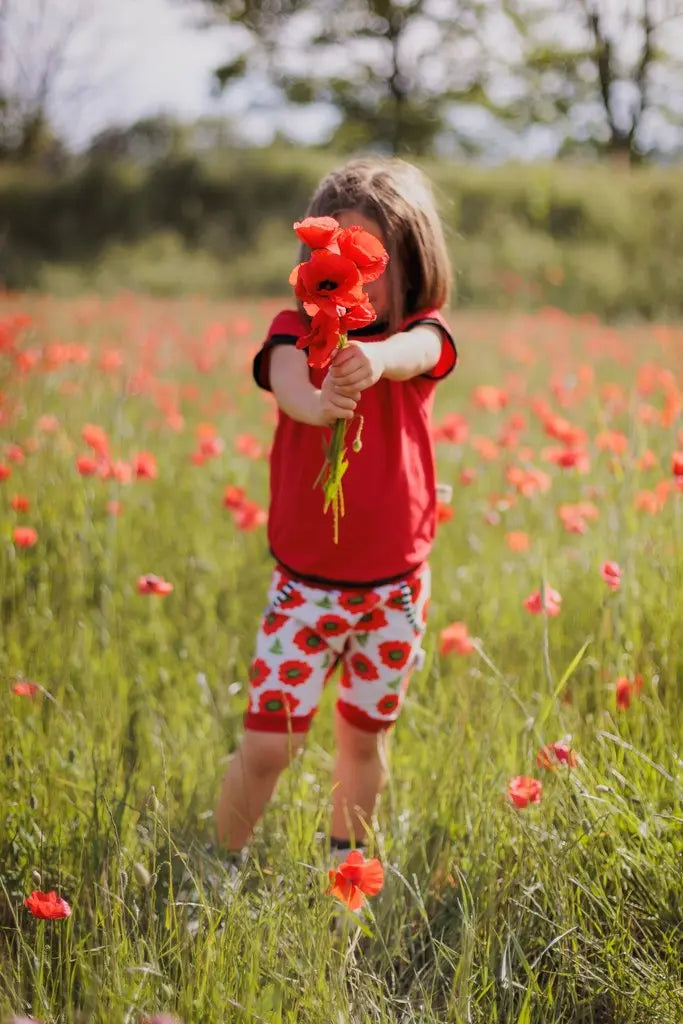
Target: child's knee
[[266, 753], [358, 744]]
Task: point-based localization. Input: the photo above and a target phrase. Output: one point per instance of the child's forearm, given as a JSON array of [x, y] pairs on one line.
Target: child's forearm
[[296, 396], [410, 353], [291, 386]]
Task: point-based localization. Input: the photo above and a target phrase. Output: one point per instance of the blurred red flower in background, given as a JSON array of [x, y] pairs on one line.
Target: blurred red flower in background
[[549, 603], [625, 689], [611, 574], [524, 790], [24, 536], [151, 584], [554, 754]]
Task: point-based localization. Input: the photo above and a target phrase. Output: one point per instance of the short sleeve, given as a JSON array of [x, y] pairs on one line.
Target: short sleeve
[[448, 358], [286, 329]]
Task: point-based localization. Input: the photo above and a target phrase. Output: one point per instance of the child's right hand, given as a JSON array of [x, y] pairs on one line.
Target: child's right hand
[[337, 402]]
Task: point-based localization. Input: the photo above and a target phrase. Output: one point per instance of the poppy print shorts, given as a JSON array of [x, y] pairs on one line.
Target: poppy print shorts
[[373, 635]]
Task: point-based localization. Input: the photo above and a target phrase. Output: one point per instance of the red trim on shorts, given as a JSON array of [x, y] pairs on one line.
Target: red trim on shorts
[[361, 720], [277, 723]]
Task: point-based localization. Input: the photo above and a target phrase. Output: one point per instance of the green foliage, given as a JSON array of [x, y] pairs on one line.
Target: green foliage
[[582, 237]]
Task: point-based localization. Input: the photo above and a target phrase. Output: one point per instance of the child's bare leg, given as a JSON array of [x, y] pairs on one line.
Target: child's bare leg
[[250, 781], [358, 778]]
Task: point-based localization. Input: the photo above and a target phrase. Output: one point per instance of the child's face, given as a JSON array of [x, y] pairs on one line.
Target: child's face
[[377, 291]]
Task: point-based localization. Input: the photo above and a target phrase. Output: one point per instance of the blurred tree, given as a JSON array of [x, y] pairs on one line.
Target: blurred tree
[[391, 69], [399, 74], [146, 141], [31, 62], [606, 73]]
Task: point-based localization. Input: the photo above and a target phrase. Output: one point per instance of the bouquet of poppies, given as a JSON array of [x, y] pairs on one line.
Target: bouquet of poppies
[[329, 285]]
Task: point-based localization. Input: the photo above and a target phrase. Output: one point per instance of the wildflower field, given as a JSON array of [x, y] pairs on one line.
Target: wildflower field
[[530, 834]]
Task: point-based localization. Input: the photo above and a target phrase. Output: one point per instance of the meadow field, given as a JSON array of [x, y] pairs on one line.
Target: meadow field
[[133, 454]]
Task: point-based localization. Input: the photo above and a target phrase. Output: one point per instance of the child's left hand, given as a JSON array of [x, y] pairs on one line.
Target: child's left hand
[[357, 365]]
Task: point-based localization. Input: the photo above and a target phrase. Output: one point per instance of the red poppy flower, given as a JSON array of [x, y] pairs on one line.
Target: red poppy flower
[[24, 536], [625, 689], [455, 638], [249, 516], [357, 316], [611, 574], [517, 540], [554, 754], [454, 429], [278, 702], [87, 465], [363, 667], [247, 444], [444, 513], [550, 602], [272, 622], [47, 906], [294, 672], [25, 689], [677, 463], [259, 672], [5, 471], [317, 232], [372, 620], [387, 704], [332, 625], [233, 496], [145, 466], [20, 503], [151, 584], [490, 397], [366, 251], [358, 600], [210, 447], [354, 879], [327, 281], [322, 339], [15, 453], [395, 653], [611, 441], [308, 641], [96, 438], [524, 790]]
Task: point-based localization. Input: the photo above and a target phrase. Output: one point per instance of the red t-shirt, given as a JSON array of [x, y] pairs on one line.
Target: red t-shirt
[[389, 487]]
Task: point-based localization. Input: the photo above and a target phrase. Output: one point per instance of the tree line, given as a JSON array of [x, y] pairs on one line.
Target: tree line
[[422, 77]]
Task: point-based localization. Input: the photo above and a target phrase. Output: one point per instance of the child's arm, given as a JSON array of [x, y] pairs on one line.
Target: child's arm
[[296, 396], [402, 356]]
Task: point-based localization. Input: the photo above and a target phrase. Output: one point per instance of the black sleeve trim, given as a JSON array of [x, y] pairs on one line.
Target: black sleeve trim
[[261, 364], [446, 334]]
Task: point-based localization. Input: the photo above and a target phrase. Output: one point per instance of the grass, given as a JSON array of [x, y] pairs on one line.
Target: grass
[[563, 911]]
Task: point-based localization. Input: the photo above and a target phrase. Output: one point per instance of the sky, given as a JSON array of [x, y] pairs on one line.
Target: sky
[[127, 59]]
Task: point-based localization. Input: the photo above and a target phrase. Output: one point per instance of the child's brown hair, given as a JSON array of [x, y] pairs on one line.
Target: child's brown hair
[[399, 198]]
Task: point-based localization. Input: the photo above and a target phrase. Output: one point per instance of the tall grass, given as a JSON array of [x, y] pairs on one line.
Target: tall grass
[[564, 911]]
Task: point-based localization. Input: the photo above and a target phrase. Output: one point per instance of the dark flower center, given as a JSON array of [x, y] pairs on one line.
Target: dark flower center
[[327, 285]]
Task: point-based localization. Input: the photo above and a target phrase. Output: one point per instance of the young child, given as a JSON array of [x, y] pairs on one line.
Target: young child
[[359, 604]]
